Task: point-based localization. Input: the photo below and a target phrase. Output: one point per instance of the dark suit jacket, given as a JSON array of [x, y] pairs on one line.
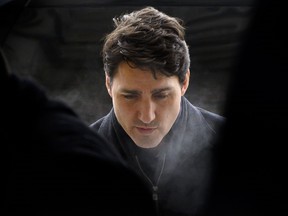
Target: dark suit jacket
[[188, 152]]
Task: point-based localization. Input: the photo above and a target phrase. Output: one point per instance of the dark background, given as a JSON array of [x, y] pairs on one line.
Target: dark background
[[58, 43]]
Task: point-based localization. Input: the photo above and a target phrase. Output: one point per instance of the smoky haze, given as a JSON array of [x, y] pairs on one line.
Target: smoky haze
[[60, 47]]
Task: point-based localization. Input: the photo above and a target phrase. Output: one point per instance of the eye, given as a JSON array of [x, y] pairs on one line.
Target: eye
[[130, 96], [161, 95]]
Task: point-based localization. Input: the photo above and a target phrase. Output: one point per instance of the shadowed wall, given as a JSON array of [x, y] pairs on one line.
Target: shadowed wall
[[58, 43]]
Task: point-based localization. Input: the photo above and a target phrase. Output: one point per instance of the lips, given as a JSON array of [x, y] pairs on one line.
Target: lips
[[146, 130]]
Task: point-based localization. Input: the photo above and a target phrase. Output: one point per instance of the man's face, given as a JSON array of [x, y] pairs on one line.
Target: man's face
[[145, 107]]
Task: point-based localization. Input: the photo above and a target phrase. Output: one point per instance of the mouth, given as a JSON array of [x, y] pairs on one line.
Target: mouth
[[146, 130]]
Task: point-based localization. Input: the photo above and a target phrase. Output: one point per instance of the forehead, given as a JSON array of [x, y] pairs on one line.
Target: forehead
[[131, 76]]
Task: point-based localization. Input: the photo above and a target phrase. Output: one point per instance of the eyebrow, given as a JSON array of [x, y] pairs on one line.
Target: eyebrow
[[161, 90], [127, 91], [155, 91]]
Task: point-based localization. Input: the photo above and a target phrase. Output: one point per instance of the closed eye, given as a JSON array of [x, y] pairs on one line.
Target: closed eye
[[161, 95], [130, 96]]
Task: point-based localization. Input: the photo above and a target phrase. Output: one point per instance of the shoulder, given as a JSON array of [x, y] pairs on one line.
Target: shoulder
[[96, 125], [102, 123], [210, 119], [214, 121]]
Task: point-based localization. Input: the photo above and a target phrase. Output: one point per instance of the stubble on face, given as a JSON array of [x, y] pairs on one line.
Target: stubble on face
[[146, 107]]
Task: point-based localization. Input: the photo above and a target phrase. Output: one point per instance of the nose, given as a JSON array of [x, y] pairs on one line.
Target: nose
[[147, 111]]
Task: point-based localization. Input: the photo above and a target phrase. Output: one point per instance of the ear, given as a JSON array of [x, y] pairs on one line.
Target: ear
[[185, 84], [108, 84]]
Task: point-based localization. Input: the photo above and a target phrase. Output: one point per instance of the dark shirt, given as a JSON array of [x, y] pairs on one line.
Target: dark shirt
[[180, 166]]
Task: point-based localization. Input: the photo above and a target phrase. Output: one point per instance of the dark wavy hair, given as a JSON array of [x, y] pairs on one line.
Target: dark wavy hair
[[147, 39]]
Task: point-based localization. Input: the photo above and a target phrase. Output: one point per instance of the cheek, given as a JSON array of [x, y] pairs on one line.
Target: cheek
[[122, 109], [169, 111]]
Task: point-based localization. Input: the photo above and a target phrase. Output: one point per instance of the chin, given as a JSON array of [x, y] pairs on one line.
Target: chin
[[147, 144]]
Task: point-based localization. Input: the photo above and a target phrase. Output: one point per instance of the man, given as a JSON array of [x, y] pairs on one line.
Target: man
[[164, 138], [54, 164]]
